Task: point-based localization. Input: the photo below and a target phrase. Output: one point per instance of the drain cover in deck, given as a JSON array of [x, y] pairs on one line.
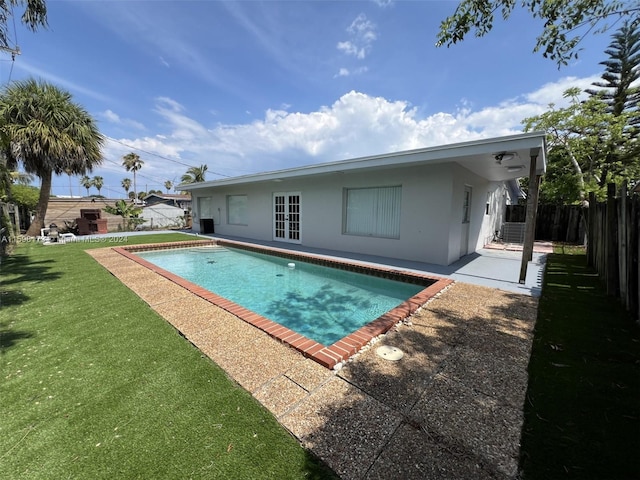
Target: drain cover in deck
[[389, 353]]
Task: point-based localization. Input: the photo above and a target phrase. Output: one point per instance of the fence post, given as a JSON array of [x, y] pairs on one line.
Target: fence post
[[591, 230], [623, 252], [611, 278], [634, 254]]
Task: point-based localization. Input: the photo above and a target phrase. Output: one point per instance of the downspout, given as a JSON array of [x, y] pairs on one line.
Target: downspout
[[532, 210]]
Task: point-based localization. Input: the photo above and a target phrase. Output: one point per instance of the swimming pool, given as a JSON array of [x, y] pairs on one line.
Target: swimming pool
[[325, 308], [322, 303]]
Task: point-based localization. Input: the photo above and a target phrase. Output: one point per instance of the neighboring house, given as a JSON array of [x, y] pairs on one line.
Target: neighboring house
[[431, 205], [175, 199], [162, 216]]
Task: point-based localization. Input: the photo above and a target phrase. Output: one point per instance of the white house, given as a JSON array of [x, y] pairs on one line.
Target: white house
[[162, 216], [430, 205]]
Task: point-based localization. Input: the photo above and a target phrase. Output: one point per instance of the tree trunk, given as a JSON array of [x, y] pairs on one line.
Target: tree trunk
[[135, 189], [576, 167], [41, 208]]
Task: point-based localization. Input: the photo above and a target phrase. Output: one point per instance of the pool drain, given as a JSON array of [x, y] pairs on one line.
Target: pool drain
[[389, 353]]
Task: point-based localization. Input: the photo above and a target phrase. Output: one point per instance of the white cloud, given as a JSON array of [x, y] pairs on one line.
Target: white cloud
[[552, 91], [112, 117], [72, 87], [351, 49], [355, 125], [362, 33], [345, 72]]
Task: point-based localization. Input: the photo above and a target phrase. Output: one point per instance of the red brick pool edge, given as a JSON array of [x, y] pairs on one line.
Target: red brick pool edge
[[327, 356]]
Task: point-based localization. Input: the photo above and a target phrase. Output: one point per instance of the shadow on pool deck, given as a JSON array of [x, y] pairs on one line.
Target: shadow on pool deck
[[450, 408]]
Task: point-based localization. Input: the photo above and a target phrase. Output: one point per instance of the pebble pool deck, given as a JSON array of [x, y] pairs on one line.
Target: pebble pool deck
[[451, 408]]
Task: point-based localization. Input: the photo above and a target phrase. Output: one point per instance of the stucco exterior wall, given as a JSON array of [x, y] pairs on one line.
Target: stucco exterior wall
[[431, 211], [161, 216]]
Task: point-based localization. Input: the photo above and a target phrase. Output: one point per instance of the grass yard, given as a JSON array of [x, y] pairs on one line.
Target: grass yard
[[94, 384], [582, 412]]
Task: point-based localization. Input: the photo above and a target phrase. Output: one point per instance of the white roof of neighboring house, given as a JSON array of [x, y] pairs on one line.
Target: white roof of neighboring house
[[160, 207], [478, 156], [169, 196]]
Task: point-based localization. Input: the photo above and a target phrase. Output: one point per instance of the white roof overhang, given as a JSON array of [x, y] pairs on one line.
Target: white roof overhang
[[496, 159]]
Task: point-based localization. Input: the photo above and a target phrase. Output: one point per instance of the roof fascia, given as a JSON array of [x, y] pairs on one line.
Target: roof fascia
[[437, 154]]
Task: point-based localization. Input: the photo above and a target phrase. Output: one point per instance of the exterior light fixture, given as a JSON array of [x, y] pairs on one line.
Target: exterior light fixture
[[504, 157]]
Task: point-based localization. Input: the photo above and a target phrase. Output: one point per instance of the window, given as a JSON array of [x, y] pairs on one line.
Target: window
[[374, 212], [206, 211], [237, 211], [466, 205]]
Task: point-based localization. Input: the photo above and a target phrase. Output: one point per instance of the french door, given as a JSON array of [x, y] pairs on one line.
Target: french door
[[466, 220], [286, 217]]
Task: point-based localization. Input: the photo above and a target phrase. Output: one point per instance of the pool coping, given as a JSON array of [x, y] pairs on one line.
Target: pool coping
[[327, 356]]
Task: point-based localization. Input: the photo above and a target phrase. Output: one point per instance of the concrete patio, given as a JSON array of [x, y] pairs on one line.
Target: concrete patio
[[495, 266]]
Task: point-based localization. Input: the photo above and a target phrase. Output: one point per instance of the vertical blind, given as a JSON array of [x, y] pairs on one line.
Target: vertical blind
[[206, 209], [373, 211], [237, 213]]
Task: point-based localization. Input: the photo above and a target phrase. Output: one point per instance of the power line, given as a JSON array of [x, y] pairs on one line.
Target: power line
[[13, 51], [138, 174], [163, 157]]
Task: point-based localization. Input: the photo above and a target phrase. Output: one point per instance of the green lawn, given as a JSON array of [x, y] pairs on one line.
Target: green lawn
[[94, 384], [583, 401]]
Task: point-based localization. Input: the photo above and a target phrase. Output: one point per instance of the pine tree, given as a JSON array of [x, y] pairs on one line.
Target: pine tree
[[617, 89]]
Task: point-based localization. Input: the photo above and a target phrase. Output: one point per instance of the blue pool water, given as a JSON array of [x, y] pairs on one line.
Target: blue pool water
[[324, 304]]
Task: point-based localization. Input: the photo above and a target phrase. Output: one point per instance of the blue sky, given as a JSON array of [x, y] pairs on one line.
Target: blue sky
[[252, 86]]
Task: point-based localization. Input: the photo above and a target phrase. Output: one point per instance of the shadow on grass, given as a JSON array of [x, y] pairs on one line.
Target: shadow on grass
[[17, 269], [9, 337], [582, 411], [12, 297], [20, 269]]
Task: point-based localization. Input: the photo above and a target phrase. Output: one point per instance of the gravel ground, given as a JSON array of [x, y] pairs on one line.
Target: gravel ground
[[450, 408]]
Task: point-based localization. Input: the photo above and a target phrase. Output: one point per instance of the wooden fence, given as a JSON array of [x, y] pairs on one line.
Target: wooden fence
[[613, 245], [558, 223]]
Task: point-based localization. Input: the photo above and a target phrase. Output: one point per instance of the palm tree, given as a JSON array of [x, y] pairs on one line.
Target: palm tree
[[98, 182], [194, 174], [126, 184], [21, 178], [6, 178], [87, 183], [132, 163], [48, 133], [168, 184], [33, 17]]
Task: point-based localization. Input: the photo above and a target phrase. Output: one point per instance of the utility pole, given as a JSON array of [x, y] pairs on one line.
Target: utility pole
[[13, 51]]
